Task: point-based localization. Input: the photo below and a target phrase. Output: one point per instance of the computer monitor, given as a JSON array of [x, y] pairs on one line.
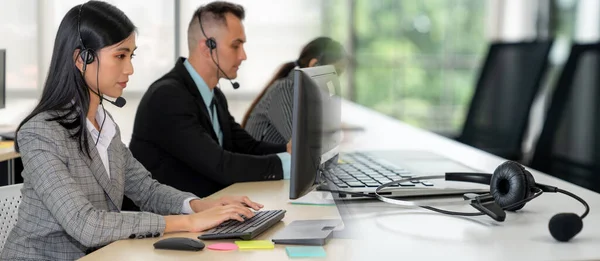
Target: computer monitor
[[2, 78], [316, 132]]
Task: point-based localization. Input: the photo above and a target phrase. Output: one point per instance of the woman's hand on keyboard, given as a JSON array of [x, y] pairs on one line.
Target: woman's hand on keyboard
[[240, 200], [199, 205], [212, 217]]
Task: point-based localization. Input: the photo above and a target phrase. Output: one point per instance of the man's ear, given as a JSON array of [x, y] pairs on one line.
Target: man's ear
[[78, 60], [203, 48]]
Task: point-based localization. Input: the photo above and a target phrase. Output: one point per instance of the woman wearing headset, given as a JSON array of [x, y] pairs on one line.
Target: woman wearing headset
[[77, 170], [270, 115]]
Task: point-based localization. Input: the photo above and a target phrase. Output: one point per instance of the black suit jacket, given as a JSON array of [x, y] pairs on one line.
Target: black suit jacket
[[174, 139]]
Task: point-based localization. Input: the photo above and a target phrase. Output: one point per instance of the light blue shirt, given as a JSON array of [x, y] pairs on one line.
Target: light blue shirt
[[286, 164], [207, 96]]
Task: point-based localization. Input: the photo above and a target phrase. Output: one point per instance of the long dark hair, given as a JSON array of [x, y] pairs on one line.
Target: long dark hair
[[324, 49], [92, 25]]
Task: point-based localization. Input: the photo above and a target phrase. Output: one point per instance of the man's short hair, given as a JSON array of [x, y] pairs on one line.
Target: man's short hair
[[211, 14]]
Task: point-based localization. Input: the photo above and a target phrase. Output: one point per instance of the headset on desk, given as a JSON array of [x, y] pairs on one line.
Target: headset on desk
[[511, 186]]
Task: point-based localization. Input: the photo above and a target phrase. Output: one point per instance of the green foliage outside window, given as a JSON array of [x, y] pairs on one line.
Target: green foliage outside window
[[416, 60]]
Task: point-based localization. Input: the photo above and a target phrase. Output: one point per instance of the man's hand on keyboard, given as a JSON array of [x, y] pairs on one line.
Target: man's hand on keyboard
[[212, 217]]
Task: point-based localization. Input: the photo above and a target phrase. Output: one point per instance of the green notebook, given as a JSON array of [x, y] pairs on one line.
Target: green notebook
[[305, 251]]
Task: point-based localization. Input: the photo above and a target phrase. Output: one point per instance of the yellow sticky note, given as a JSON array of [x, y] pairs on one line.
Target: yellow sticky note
[[255, 244], [6, 144]]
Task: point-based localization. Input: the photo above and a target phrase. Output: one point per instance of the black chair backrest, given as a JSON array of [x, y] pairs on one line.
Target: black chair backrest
[[569, 145], [508, 83]]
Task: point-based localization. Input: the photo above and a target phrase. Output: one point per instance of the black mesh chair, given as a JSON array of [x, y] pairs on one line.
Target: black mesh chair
[[569, 145], [499, 111]]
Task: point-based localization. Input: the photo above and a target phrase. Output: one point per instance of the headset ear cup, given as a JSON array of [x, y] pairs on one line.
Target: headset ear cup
[[211, 43], [511, 183], [87, 56]]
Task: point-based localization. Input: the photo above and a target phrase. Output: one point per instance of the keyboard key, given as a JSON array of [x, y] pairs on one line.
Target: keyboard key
[[355, 184], [383, 180], [427, 183], [407, 184], [372, 184], [360, 166], [415, 181], [354, 172], [260, 220], [388, 173]]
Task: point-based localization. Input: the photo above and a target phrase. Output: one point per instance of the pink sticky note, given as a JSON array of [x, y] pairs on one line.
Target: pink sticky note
[[223, 246]]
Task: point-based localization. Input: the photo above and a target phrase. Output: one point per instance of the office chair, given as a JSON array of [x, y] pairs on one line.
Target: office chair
[[508, 83], [569, 145], [10, 198]]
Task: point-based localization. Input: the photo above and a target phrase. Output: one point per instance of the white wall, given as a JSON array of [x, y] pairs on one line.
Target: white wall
[[587, 22], [511, 20]]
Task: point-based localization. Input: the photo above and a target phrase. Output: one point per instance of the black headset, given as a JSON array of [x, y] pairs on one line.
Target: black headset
[[88, 56], [511, 186], [211, 43]]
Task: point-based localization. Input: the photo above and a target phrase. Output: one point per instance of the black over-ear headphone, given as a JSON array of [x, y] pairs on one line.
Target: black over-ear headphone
[[211, 43], [87, 55], [511, 186]]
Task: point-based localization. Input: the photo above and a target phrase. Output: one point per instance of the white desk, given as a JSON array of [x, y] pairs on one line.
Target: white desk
[[421, 235], [8, 154], [387, 232]]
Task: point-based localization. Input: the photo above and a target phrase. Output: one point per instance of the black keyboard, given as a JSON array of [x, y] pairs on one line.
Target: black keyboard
[[358, 170], [8, 135], [249, 229]]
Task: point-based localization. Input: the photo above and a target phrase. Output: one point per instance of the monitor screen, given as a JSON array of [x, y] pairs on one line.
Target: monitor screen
[[316, 132], [2, 78]]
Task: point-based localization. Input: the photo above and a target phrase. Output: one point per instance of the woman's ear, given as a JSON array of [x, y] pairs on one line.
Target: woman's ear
[[313, 62], [78, 60]]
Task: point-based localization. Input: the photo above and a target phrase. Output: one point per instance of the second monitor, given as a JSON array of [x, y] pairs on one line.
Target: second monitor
[[316, 135], [316, 132]]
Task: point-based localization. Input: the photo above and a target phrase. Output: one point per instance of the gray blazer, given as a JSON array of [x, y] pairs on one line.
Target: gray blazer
[[70, 206]]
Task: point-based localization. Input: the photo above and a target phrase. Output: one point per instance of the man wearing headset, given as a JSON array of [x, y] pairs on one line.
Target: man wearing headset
[[183, 132]]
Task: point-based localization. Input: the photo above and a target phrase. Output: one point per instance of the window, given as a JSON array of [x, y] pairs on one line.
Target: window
[[18, 27], [415, 60]]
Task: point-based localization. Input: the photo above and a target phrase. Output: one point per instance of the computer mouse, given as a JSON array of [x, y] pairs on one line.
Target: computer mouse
[[179, 243]]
